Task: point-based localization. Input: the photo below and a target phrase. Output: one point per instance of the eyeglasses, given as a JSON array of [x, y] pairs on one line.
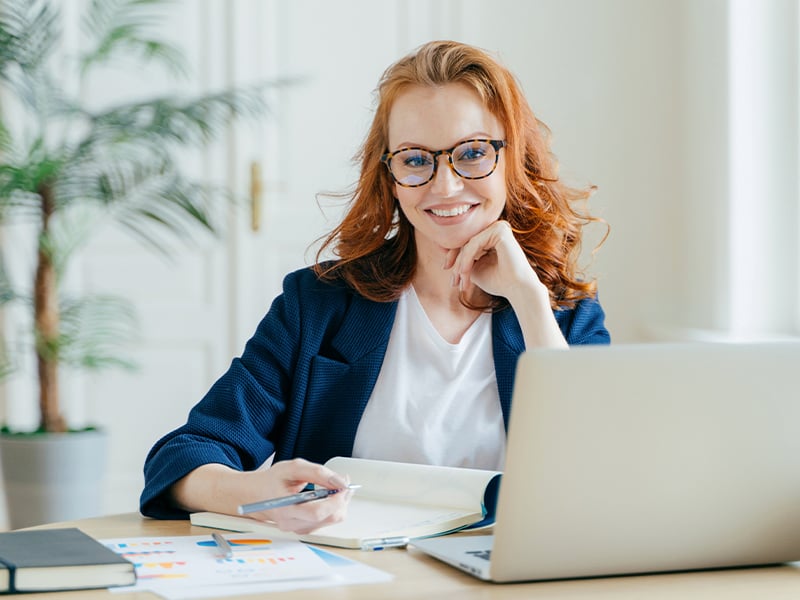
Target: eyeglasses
[[471, 159]]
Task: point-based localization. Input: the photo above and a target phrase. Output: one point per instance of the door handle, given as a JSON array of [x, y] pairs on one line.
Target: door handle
[[256, 195]]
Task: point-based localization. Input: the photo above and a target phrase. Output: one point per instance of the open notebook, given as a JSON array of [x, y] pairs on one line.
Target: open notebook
[[641, 458], [395, 500]]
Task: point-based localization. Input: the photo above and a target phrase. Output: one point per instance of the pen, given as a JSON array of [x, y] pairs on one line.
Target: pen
[[398, 541], [289, 500], [223, 545]]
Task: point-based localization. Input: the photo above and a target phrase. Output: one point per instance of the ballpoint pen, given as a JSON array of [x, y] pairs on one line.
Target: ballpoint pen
[[382, 543], [293, 499], [223, 545]]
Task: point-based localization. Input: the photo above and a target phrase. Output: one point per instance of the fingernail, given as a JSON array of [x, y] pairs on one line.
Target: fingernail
[[336, 482]]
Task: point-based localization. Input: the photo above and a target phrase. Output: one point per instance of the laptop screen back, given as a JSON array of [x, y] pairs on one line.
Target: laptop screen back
[[643, 458]]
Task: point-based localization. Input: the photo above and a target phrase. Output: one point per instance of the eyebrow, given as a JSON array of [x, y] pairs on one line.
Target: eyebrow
[[471, 136]]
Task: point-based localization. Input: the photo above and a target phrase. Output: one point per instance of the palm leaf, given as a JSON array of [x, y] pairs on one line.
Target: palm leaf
[[22, 180], [6, 142], [139, 186], [6, 363], [94, 330], [68, 232], [183, 122], [28, 33], [14, 190], [7, 293], [40, 96], [122, 27], [179, 208]]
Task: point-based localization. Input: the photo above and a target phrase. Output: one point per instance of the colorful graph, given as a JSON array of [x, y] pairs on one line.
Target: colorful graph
[[256, 560], [134, 554], [196, 560], [142, 544], [241, 544]]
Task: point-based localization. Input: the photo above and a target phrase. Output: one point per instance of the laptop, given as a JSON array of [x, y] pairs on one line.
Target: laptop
[[644, 458]]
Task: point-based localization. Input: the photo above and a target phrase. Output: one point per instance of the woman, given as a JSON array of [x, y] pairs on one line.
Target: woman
[[458, 252]]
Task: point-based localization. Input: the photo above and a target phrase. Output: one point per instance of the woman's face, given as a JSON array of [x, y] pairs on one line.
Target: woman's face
[[448, 210]]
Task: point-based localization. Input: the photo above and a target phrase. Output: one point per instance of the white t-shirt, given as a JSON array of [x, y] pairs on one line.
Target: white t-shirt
[[434, 402]]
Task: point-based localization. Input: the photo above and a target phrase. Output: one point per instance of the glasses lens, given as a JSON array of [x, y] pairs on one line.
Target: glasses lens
[[412, 167], [474, 159]]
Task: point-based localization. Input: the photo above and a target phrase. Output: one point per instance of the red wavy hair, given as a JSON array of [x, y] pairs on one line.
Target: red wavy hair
[[375, 242]]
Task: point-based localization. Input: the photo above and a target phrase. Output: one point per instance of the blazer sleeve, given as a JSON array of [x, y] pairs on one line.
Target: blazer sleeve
[[235, 422], [584, 324]]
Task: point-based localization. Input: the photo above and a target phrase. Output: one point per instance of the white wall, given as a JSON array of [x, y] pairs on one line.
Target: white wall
[[684, 114], [607, 78]]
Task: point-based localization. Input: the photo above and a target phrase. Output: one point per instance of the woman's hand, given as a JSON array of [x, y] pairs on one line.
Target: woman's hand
[[494, 261], [291, 476], [218, 488]]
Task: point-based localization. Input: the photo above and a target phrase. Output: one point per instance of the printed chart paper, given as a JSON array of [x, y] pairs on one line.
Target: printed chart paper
[[183, 567], [167, 562]]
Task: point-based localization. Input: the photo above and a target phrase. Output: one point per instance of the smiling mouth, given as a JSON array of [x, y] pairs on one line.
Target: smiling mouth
[[450, 212]]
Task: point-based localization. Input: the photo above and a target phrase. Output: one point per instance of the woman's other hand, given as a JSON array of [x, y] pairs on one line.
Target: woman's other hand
[[494, 261]]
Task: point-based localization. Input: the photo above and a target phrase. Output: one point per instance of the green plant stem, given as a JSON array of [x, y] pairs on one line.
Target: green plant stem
[[46, 317]]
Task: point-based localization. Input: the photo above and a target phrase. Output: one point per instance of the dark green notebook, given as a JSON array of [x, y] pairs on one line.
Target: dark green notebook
[[59, 559]]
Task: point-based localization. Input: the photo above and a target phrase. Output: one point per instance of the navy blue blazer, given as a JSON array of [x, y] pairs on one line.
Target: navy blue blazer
[[302, 383]]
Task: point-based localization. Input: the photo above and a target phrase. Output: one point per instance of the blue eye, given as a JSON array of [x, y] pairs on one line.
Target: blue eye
[[416, 160], [471, 154]]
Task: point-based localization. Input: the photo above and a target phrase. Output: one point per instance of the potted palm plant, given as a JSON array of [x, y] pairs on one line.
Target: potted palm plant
[[65, 171]]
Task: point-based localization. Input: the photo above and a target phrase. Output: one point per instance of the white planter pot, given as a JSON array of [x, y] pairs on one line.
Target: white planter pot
[[53, 477]]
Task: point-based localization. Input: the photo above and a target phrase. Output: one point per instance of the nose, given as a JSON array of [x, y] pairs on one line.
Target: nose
[[445, 181]]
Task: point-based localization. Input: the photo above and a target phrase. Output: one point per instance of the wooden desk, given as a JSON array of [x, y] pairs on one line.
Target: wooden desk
[[418, 576]]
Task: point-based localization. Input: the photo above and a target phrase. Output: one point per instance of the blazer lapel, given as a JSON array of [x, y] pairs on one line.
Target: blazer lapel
[[507, 345], [366, 326], [341, 383]]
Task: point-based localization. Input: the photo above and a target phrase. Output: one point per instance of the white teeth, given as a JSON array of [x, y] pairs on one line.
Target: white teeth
[[451, 212]]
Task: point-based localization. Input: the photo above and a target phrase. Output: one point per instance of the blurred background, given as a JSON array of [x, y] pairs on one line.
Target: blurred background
[[683, 113]]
